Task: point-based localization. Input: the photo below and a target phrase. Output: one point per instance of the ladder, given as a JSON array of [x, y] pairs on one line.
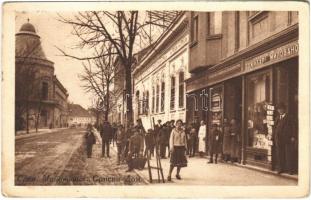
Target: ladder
[[158, 167]]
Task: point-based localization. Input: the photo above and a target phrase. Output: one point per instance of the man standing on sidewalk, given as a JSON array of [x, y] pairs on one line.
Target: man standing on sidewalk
[[285, 141], [105, 133]]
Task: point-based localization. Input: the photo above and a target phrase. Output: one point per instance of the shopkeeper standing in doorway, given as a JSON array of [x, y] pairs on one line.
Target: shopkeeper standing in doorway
[[285, 141]]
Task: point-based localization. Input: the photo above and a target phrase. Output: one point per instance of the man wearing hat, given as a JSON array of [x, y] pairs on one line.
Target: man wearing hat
[[285, 141]]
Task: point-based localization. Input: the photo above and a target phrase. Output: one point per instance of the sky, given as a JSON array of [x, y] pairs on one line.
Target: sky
[[54, 33]]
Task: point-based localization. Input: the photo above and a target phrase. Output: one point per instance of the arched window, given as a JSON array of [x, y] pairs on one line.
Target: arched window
[[162, 95], [181, 89], [147, 103], [45, 91], [173, 93], [153, 98], [138, 102], [157, 98]]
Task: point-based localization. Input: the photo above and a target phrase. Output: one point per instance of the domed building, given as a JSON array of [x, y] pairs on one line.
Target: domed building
[[40, 98]]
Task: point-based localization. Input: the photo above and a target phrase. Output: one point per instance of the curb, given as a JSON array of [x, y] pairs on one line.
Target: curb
[[266, 171], [263, 170]]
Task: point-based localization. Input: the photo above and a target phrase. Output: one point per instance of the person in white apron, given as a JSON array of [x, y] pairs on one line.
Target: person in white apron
[[201, 137]]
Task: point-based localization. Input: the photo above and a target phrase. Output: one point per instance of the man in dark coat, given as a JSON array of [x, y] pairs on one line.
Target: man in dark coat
[[163, 140], [195, 125], [215, 146], [136, 148], [106, 134], [150, 142], [285, 141], [157, 130]]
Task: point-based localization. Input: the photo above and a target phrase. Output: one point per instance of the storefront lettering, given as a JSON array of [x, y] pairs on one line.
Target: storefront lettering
[[280, 53]]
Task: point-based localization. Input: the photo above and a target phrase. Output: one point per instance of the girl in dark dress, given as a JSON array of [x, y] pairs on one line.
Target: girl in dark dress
[[178, 145]]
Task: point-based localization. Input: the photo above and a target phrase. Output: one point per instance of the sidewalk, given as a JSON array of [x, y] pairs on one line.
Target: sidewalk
[[199, 172], [23, 134]]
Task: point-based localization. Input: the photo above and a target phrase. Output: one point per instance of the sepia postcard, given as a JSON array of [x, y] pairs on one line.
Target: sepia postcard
[[155, 99]]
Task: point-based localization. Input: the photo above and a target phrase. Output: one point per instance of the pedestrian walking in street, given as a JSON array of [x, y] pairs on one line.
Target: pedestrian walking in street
[[285, 139], [201, 138], [136, 148], [106, 134], [234, 141], [120, 141], [149, 143], [215, 143], [90, 140], [226, 141], [178, 144]]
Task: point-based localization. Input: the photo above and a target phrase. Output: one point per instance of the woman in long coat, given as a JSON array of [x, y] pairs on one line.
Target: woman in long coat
[[201, 138], [226, 146], [235, 141], [178, 146]]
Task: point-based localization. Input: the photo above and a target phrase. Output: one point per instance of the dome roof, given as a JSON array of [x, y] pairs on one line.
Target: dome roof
[[28, 27], [28, 44]]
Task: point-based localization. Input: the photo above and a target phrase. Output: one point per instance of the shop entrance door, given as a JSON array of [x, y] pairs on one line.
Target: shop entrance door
[[233, 112], [286, 92]]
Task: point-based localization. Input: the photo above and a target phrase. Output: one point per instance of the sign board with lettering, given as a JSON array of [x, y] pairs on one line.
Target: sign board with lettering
[[281, 53]]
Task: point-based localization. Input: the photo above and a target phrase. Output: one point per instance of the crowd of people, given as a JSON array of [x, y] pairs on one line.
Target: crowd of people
[[170, 139], [178, 139]]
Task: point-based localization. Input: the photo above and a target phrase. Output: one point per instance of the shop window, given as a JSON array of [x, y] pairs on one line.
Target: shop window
[[44, 91], [181, 90], [258, 99], [157, 98], [172, 93], [195, 28], [216, 105], [214, 23], [162, 96]]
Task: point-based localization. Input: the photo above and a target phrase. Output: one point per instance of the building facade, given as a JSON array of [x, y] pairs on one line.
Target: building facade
[[242, 65], [159, 87], [79, 117], [41, 99]]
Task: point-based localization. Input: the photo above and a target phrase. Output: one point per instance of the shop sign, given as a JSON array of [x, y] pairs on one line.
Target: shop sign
[[278, 54]]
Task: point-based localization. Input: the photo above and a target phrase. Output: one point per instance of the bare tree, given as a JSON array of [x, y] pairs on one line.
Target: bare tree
[[98, 77], [126, 31]]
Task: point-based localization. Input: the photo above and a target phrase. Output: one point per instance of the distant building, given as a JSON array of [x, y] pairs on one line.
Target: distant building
[[78, 116], [41, 99]]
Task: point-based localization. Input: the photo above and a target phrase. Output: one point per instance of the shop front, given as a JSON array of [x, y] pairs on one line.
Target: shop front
[[248, 91]]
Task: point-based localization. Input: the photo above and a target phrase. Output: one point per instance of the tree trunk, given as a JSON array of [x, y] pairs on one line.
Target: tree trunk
[[107, 100], [128, 95]]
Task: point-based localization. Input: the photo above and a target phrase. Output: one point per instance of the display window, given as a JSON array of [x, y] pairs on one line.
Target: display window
[[216, 104], [259, 107]]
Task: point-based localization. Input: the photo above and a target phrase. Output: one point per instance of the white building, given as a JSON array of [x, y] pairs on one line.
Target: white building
[[78, 116], [158, 79]]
